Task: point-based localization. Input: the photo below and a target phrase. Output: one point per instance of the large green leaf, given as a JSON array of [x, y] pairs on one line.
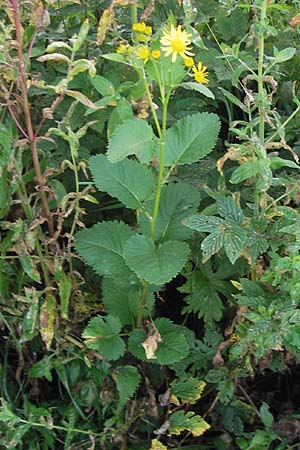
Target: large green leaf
[[127, 379], [191, 139], [171, 349], [157, 265], [101, 246], [102, 334], [133, 137], [122, 297], [249, 169], [128, 180], [177, 201]]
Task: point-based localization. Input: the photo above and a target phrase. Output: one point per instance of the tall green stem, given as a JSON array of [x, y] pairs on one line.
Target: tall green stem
[[260, 73], [161, 164]]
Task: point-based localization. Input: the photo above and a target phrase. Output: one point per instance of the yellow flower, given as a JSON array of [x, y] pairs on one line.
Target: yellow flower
[[141, 27], [143, 53], [176, 42], [155, 54], [124, 49], [200, 73], [189, 62]]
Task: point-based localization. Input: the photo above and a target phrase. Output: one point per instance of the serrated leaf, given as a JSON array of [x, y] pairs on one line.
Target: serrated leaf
[[127, 379], [204, 287], [247, 170], [192, 86], [172, 348], [128, 180], [6, 413], [181, 421], [234, 242], [203, 223], [212, 244], [228, 209], [133, 137], [41, 369], [188, 390], [156, 445], [102, 334], [176, 203], [155, 264], [102, 246], [122, 299], [191, 139]]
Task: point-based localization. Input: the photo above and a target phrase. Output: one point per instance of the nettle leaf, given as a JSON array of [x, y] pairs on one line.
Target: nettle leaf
[[188, 390], [177, 201], [129, 181], [155, 264], [133, 137], [228, 209], [181, 421], [127, 379], [204, 289], [191, 139], [172, 348], [227, 233], [102, 334], [101, 246], [184, 143], [122, 298]]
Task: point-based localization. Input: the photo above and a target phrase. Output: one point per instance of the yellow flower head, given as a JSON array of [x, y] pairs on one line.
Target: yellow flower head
[[176, 42], [189, 62], [124, 49], [143, 53], [200, 73], [155, 54], [141, 27]]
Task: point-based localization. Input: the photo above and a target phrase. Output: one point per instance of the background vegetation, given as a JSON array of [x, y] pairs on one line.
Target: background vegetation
[[149, 215]]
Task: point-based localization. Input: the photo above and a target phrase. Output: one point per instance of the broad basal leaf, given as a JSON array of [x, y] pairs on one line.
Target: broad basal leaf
[[171, 348], [191, 139], [102, 334], [193, 86], [101, 246], [133, 137], [127, 379], [176, 203], [128, 180], [122, 298], [181, 421], [155, 264]]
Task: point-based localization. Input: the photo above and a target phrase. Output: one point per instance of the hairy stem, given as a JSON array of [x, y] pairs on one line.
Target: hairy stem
[[26, 108], [260, 80]]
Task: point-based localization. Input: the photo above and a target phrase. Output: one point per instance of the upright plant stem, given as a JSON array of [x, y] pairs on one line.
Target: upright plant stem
[[26, 108], [260, 72]]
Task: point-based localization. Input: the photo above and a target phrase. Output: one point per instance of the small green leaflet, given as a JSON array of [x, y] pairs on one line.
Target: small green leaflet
[[188, 390], [191, 139], [133, 137], [102, 335], [181, 421], [128, 180], [155, 264], [227, 232], [172, 348], [127, 379], [101, 246]]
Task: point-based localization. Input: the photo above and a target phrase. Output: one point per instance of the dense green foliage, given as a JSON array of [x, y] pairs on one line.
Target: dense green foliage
[[150, 224]]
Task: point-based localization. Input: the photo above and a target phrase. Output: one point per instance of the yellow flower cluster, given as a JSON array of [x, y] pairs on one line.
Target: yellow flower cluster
[[141, 27]]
